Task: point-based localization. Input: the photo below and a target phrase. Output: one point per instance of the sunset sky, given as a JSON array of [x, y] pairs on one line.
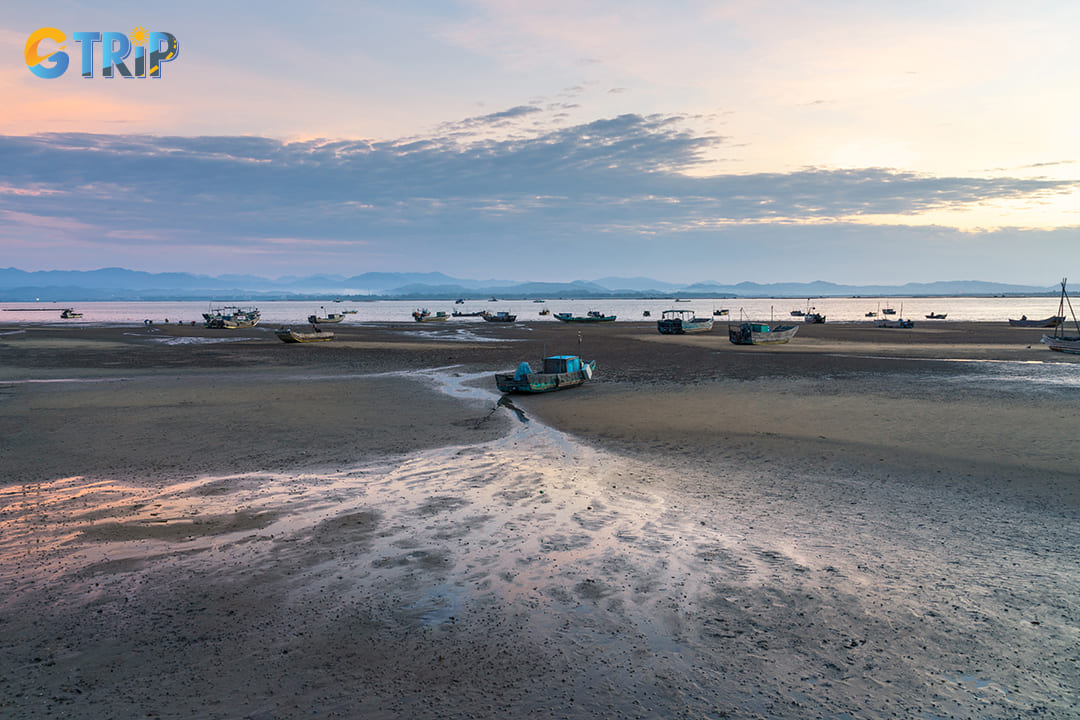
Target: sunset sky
[[840, 140]]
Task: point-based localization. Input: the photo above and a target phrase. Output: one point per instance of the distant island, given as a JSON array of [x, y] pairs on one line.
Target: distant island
[[125, 285]]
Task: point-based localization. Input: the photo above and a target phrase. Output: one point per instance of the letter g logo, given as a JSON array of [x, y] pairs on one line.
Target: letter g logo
[[36, 61]]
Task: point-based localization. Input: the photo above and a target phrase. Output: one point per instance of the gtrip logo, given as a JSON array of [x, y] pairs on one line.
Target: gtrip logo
[[115, 49]]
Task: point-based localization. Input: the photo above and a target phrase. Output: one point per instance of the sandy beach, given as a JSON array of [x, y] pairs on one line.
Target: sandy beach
[[864, 523]]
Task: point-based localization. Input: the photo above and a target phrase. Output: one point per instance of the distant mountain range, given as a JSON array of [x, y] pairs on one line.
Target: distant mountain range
[[121, 284]]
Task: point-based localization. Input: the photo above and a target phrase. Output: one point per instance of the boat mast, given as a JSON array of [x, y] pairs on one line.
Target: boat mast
[[1061, 310]]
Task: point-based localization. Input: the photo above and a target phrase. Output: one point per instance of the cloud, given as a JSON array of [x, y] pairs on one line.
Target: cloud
[[610, 180]]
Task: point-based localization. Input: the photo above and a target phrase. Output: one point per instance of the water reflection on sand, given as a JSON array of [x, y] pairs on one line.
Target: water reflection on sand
[[539, 574]]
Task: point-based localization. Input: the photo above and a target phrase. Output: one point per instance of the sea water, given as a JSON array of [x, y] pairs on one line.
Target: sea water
[[839, 309]]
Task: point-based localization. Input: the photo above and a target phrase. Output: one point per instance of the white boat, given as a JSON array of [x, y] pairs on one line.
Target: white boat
[[1059, 341], [681, 322]]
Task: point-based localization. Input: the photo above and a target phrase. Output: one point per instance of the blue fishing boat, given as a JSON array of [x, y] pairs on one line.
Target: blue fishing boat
[[560, 372]]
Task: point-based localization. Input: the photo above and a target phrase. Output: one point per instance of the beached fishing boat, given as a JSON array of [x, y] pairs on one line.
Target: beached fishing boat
[[291, 336], [681, 322], [1052, 321], [458, 313], [593, 316], [231, 317], [750, 333], [1059, 341], [898, 323], [499, 317], [70, 314], [559, 372], [326, 318], [424, 315]]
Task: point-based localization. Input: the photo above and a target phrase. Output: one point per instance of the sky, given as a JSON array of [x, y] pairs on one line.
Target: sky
[[839, 140]]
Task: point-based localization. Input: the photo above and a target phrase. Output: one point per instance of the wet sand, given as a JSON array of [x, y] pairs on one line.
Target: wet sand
[[852, 525]]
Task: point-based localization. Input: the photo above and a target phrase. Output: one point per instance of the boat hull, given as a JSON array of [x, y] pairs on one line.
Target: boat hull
[[683, 327], [544, 382], [290, 336], [894, 323], [1065, 344], [1048, 322], [329, 319], [748, 334]]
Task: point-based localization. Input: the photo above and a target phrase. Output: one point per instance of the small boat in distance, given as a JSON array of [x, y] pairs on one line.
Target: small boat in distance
[[231, 317], [936, 316], [424, 315], [1052, 321], [70, 314], [814, 317], [593, 316], [289, 335], [749, 333], [720, 312], [681, 322], [1059, 341], [326, 318], [545, 311], [499, 317], [458, 313], [888, 311], [559, 372]]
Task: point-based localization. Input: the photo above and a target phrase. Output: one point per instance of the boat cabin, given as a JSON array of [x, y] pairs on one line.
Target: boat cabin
[[562, 364]]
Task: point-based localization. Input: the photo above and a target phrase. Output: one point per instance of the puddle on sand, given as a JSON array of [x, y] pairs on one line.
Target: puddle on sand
[[560, 546]]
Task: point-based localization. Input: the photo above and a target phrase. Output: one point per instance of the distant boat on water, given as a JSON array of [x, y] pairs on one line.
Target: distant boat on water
[[720, 312], [559, 372], [500, 317], [325, 318], [1059, 341], [937, 316], [593, 316], [458, 313], [70, 314], [424, 315], [681, 322], [231, 317]]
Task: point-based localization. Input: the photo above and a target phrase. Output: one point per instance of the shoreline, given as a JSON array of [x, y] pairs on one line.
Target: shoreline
[[722, 532]]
